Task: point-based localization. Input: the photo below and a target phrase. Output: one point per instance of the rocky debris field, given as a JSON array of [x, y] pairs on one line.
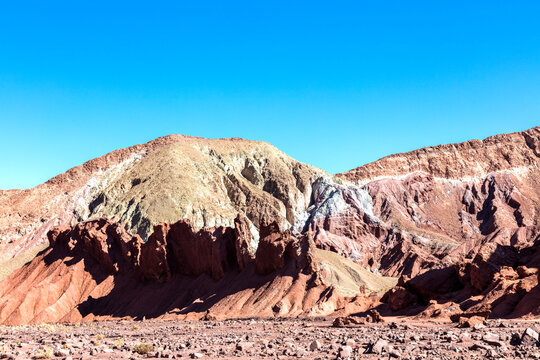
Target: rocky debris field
[[276, 338]]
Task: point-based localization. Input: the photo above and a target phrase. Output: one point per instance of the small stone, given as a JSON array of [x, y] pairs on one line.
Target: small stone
[[479, 326], [61, 352], [379, 347], [492, 353], [410, 348], [345, 352], [300, 353], [471, 322], [394, 352], [515, 339], [529, 337], [315, 345], [480, 346], [492, 339]]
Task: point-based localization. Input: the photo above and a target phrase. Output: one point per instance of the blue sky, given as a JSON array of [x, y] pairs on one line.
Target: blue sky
[[334, 84]]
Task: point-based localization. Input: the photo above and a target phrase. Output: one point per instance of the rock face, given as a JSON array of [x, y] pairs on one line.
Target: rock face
[[97, 270], [476, 158], [432, 212], [500, 281], [175, 177], [275, 247], [457, 223], [409, 212]]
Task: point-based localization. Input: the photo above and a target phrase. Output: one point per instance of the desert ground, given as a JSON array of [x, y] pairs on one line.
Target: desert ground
[[271, 338]]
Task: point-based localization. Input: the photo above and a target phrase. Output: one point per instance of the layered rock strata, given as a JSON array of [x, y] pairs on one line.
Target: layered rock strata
[[463, 216], [410, 212], [97, 270]]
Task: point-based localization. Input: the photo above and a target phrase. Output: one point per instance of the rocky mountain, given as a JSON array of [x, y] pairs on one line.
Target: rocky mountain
[[408, 212], [175, 177], [445, 207], [453, 222]]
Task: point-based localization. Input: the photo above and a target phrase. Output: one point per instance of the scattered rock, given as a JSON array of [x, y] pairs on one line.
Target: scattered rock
[[394, 352], [315, 345], [379, 347], [373, 316], [347, 321], [473, 321], [345, 352], [492, 339], [529, 337]]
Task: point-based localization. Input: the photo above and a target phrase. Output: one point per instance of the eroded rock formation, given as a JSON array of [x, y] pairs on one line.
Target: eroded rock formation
[[429, 208], [435, 214], [501, 280], [97, 270], [458, 223]]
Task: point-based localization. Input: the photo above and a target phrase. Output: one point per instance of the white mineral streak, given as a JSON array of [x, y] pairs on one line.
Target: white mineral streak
[[98, 182], [329, 201], [520, 171]]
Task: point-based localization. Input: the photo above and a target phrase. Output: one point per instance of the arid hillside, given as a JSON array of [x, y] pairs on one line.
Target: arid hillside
[[175, 177], [457, 224], [412, 211], [462, 215]]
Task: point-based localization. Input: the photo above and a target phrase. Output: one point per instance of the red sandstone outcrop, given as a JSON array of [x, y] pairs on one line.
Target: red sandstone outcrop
[[275, 248], [500, 281], [96, 270]]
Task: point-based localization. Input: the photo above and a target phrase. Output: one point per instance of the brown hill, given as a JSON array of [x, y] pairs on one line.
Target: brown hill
[[458, 223], [471, 159], [206, 181], [439, 208]]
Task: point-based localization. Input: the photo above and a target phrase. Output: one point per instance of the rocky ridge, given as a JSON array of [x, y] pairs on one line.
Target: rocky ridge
[[438, 216], [96, 271], [467, 160], [409, 212]]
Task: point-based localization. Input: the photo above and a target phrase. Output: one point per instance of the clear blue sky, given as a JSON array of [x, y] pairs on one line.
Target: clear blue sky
[[332, 83]]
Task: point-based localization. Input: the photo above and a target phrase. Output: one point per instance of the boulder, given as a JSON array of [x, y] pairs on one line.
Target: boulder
[[530, 337], [399, 298], [471, 322], [489, 260]]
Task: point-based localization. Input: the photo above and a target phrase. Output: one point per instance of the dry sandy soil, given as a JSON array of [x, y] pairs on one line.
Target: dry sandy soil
[[262, 338]]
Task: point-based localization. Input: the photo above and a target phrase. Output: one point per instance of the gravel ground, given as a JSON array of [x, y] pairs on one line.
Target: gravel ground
[[274, 338]]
